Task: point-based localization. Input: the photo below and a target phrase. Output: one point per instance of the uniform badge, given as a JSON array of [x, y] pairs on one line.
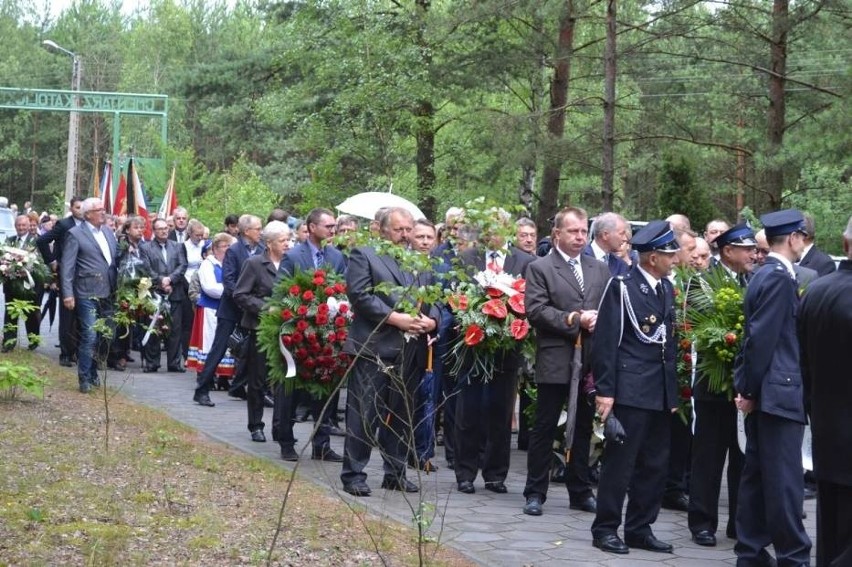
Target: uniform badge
[[644, 288], [652, 319], [646, 329]]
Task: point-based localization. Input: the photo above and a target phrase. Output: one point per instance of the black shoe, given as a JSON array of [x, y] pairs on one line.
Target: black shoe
[[238, 393], [129, 359], [357, 488], [648, 543], [589, 505], [466, 487], [268, 402], [257, 436], [611, 543], [705, 538], [497, 486], [203, 400], [731, 533], [533, 505], [327, 454], [150, 369], [399, 483], [178, 369], [288, 453], [676, 501], [222, 383], [85, 388], [65, 361]]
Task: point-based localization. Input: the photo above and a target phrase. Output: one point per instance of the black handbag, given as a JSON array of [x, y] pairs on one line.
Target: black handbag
[[238, 342]]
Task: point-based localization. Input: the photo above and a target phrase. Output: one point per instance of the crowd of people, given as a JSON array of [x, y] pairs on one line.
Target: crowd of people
[[590, 285]]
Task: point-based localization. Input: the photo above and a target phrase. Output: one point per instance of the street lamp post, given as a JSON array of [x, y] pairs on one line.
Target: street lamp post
[[73, 122]]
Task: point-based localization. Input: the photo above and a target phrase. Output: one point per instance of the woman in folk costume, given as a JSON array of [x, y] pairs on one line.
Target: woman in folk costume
[[204, 323]]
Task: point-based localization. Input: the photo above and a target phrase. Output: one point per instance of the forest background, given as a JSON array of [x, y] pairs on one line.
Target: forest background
[[646, 108]]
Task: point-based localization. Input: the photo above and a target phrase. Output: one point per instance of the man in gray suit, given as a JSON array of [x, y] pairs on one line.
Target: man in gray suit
[[562, 296], [376, 340], [89, 279], [166, 262]]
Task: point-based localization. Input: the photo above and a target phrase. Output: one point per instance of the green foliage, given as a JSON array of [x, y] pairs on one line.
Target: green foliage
[[237, 191], [15, 310], [15, 378], [678, 193], [824, 192]]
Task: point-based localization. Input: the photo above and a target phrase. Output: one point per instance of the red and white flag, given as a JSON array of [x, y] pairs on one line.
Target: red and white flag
[[169, 204]]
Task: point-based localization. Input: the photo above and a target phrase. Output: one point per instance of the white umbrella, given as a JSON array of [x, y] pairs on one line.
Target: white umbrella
[[366, 204]]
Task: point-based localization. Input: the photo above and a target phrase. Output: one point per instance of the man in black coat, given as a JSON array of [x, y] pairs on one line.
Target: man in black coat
[[379, 394], [22, 240], [813, 257], [484, 405], [825, 335], [229, 314], [716, 421], [562, 294], [768, 378], [633, 362], [166, 262], [50, 245]]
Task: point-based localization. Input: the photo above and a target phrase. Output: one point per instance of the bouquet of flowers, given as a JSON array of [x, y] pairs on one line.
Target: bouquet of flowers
[[303, 331], [137, 304], [491, 318], [22, 269], [715, 314]]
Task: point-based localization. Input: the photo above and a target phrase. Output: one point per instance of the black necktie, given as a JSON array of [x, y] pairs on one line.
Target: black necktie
[[661, 296], [319, 258]]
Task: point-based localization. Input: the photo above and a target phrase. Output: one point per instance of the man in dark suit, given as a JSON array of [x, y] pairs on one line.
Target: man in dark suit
[[166, 262], [484, 405], [768, 378], [378, 394], [50, 244], [314, 253], [813, 257], [633, 362], [716, 422], [562, 294], [609, 233], [825, 334], [180, 234], [88, 281], [25, 241], [229, 314]]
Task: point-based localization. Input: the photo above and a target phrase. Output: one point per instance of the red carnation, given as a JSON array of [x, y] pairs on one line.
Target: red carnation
[[286, 314], [310, 363], [301, 353], [331, 337], [314, 348], [322, 308], [730, 338], [341, 335], [519, 329], [520, 285], [319, 273], [308, 295], [322, 319], [302, 310], [516, 304], [339, 321], [301, 325], [327, 350], [319, 280], [686, 392], [329, 291], [495, 308], [473, 335], [298, 338], [687, 358], [343, 309], [340, 287], [287, 340], [295, 290]]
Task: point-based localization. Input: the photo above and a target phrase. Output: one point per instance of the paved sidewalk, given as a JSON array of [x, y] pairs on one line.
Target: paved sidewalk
[[489, 528]]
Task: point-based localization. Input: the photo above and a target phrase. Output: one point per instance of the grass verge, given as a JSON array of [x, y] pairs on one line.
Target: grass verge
[[162, 495]]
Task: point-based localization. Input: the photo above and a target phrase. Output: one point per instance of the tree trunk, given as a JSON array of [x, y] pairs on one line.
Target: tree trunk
[[553, 158], [608, 158], [776, 114], [425, 127]]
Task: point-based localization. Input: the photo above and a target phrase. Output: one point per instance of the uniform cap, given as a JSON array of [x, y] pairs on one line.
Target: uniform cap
[[656, 236], [783, 222], [740, 235]]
